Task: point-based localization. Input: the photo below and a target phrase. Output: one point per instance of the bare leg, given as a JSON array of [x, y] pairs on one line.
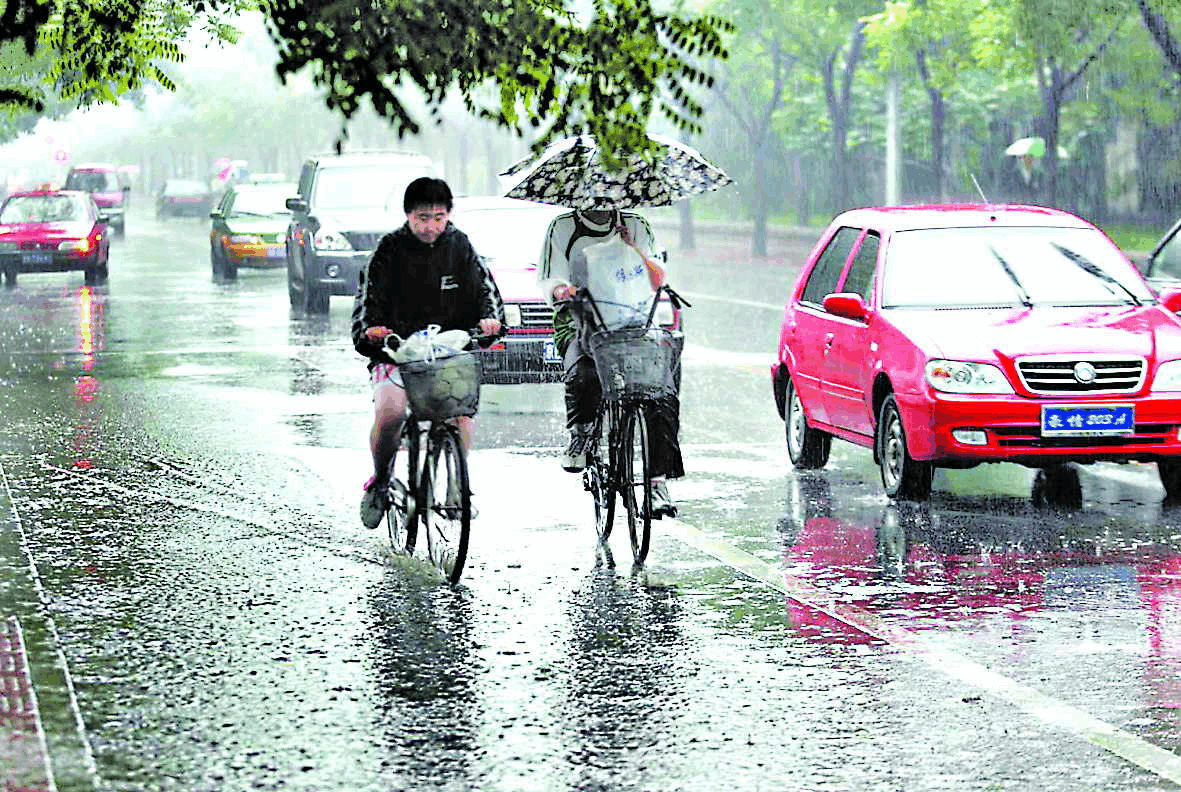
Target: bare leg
[[389, 411], [467, 430]]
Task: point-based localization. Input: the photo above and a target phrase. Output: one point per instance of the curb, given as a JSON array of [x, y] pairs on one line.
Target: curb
[[39, 717]]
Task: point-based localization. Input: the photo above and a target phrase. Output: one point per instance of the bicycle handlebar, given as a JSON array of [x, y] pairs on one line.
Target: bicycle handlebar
[[478, 339], [584, 297]]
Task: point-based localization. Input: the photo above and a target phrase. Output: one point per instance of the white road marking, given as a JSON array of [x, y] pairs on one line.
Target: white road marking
[[778, 308], [1049, 710]]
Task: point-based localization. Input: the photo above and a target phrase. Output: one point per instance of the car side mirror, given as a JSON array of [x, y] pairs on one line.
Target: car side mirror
[[104, 218], [297, 204], [215, 215], [1171, 300], [847, 304]]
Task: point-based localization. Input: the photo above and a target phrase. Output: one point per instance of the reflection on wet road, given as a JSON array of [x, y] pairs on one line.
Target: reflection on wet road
[[182, 461]]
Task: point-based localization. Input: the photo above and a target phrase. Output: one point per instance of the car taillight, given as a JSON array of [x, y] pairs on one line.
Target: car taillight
[[81, 246]]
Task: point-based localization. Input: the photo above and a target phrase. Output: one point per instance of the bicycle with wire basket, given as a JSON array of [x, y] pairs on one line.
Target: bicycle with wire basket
[[635, 366], [428, 486]]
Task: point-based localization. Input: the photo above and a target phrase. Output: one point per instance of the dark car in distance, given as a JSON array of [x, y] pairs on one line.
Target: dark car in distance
[[184, 198], [249, 228], [108, 186], [53, 231], [344, 205]]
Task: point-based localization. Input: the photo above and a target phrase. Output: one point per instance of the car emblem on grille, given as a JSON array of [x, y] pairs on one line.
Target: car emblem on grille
[[1084, 372]]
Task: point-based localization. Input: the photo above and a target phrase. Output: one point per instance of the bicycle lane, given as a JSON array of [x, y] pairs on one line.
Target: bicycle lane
[[43, 746]]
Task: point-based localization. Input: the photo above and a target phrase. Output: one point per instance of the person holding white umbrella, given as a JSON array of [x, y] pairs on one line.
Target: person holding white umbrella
[[565, 267], [573, 173]]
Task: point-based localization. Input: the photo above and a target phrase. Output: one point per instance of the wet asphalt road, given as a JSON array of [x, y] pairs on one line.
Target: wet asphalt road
[[181, 465]]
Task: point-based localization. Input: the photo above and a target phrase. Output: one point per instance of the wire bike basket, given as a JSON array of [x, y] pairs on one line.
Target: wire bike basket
[[636, 362], [446, 387]]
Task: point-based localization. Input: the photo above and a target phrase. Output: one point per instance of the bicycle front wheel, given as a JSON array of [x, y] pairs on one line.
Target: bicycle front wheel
[[597, 477], [402, 499], [447, 509], [637, 484]]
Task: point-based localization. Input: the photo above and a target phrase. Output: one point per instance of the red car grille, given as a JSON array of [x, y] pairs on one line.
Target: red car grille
[[364, 240], [1030, 437], [1057, 376], [537, 315]]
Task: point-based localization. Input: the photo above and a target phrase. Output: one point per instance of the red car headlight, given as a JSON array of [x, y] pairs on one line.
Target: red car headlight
[[954, 376]]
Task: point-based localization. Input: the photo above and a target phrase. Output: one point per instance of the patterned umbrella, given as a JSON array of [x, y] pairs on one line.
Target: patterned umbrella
[[570, 173]]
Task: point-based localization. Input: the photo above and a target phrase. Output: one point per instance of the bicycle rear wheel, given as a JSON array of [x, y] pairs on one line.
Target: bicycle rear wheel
[[402, 513], [447, 511], [637, 484], [596, 478]]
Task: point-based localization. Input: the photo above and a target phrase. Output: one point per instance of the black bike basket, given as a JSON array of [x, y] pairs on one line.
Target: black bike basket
[[446, 387], [636, 362]]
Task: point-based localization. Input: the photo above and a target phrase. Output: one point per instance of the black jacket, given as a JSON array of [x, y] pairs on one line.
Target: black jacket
[[409, 284]]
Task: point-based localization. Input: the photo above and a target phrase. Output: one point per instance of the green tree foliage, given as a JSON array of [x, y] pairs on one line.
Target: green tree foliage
[[1162, 19], [930, 39], [520, 63], [606, 77], [1058, 41]]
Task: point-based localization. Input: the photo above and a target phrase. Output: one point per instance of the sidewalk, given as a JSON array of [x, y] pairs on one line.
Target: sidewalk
[[43, 746]]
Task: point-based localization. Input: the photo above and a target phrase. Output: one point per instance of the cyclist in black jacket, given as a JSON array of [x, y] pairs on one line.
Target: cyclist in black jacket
[[424, 273]]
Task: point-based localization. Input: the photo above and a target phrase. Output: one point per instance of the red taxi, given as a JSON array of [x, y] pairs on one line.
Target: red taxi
[[53, 231], [947, 336]]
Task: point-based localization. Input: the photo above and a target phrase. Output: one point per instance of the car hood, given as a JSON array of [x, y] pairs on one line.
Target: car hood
[[362, 219], [19, 232], [1148, 331], [257, 225], [517, 284]]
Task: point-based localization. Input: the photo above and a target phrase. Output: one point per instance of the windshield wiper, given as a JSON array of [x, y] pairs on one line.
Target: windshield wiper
[[1091, 268], [1028, 303]]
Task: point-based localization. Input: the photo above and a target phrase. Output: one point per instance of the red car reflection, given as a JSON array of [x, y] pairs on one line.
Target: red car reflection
[[947, 336], [53, 231]]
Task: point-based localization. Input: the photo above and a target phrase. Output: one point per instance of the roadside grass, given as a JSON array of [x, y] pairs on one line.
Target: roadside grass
[[1134, 237]]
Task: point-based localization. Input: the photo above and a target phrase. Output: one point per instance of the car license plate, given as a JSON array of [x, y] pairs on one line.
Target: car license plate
[[276, 251], [1088, 421], [551, 352], [37, 257]]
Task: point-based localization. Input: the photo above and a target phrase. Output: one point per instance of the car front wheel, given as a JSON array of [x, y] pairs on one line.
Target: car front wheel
[[1169, 470], [903, 477], [807, 448]]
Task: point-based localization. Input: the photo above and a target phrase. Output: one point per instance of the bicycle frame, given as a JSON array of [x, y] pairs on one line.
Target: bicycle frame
[[625, 422]]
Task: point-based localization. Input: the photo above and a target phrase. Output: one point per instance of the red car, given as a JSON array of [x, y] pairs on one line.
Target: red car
[[53, 231], [947, 336], [108, 186]]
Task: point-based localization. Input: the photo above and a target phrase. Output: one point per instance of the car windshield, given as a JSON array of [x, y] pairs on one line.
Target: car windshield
[[1007, 266], [91, 181], [265, 203], [42, 209], [513, 234], [184, 187], [373, 185]]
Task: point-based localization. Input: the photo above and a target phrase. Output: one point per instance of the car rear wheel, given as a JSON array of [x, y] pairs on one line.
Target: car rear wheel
[[902, 476], [1169, 470], [807, 448]]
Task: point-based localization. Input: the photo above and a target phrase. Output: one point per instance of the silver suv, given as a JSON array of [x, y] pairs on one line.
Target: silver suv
[[346, 204]]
